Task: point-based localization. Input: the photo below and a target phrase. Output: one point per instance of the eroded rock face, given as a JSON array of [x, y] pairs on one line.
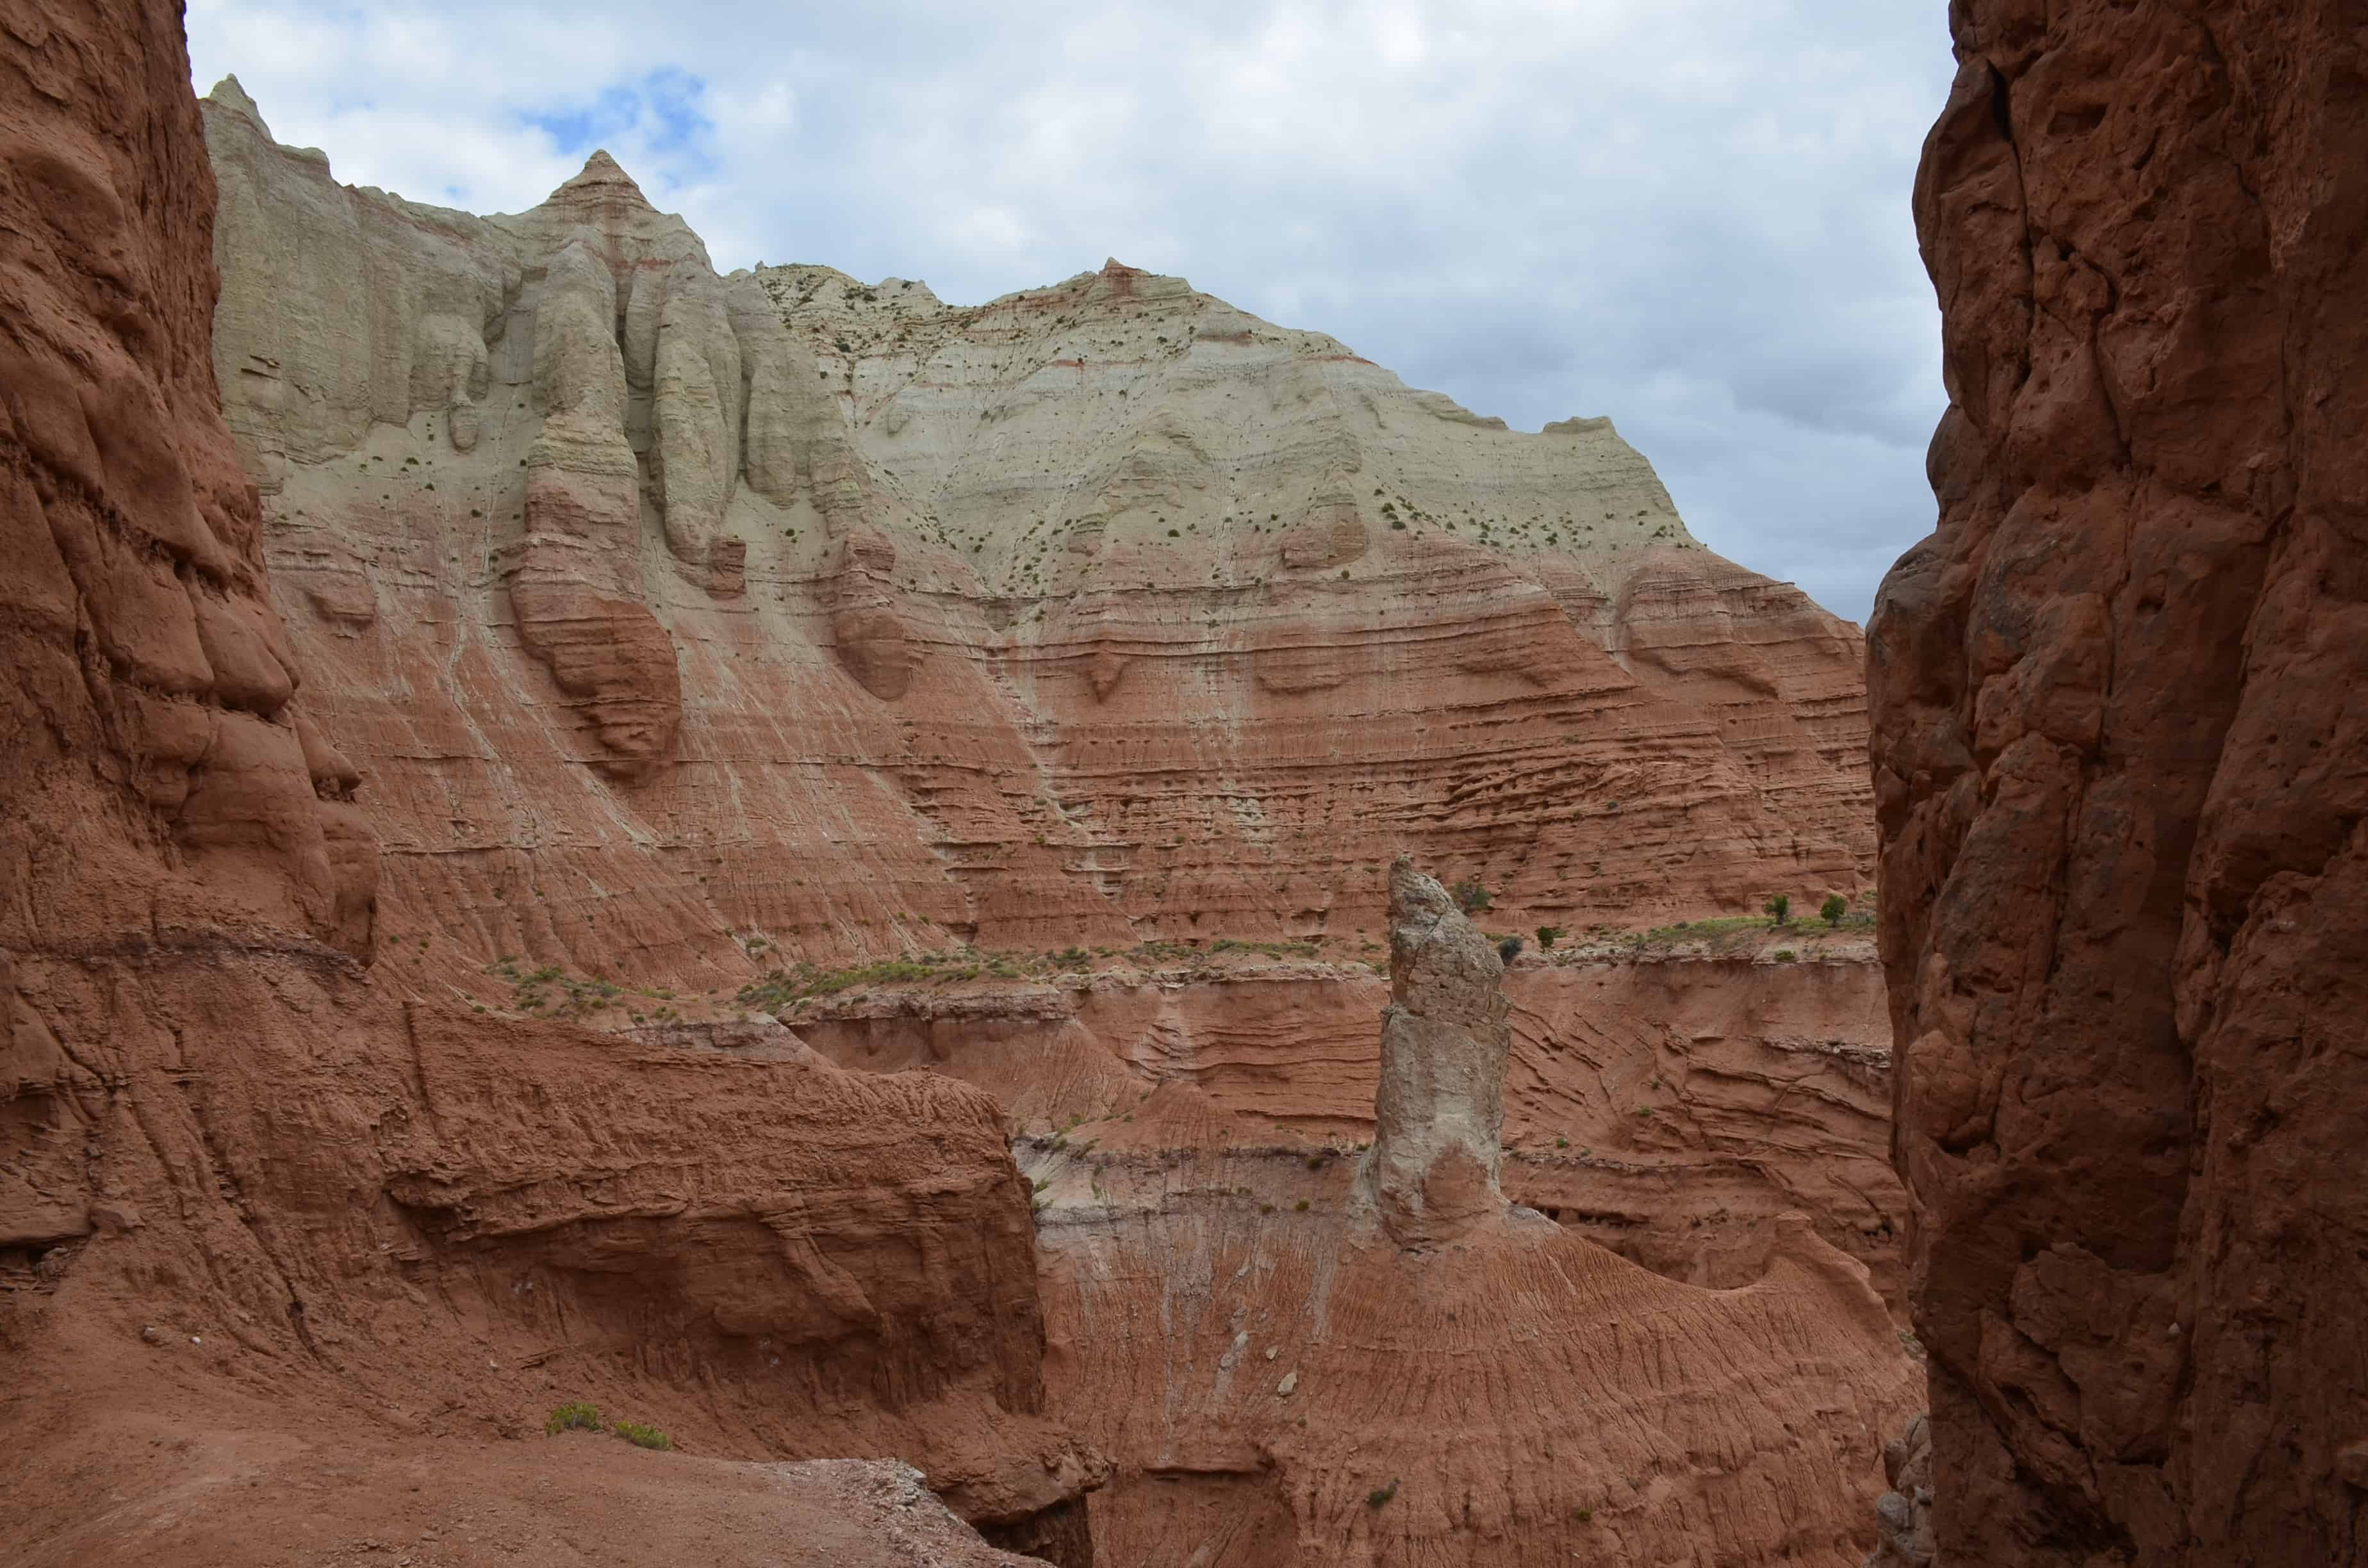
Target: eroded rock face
[[153, 685], [1382, 1360], [1433, 1168], [1097, 613], [256, 1190], [2115, 754]]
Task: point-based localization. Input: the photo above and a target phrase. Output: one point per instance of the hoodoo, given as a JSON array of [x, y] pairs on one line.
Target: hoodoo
[[1432, 1171], [1324, 1360]]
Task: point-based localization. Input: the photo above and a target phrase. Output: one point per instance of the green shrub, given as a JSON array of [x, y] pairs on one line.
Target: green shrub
[[1471, 897], [573, 1416], [1585, 1516], [1779, 909], [1786, 954], [1833, 909], [1547, 937], [1303, 1206], [1380, 1494], [643, 1437], [1509, 948]]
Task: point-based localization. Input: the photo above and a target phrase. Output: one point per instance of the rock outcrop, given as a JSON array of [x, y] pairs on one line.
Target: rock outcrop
[[1667, 1105], [1432, 1172], [1905, 1512], [665, 607], [1280, 1379], [272, 1209], [2116, 753]]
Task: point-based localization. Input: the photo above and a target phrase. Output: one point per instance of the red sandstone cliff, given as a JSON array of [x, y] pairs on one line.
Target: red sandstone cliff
[[2117, 743], [270, 1226]]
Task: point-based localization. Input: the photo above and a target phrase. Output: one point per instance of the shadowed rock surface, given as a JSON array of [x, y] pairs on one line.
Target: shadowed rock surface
[[2117, 743]]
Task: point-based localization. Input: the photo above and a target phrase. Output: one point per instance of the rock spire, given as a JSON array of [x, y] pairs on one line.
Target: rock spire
[[1432, 1172]]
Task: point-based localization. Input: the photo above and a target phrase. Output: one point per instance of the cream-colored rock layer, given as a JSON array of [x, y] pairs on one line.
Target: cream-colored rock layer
[[664, 609]]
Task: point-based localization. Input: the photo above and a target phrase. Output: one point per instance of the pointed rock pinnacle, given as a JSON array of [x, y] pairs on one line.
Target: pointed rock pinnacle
[[1432, 1172]]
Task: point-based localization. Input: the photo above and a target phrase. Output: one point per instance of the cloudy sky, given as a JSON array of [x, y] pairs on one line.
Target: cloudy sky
[[1691, 215]]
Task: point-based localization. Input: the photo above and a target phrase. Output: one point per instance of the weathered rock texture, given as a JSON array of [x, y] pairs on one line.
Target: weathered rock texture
[[2117, 751], [1280, 1379], [1905, 1512], [253, 1188], [1433, 1167], [1668, 1106], [662, 606]]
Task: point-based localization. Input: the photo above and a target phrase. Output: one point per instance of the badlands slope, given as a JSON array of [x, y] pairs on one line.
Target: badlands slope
[[1028, 693], [689, 626], [665, 611]]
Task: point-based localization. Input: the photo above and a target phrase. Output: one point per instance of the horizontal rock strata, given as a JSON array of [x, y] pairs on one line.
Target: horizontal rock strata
[[662, 606]]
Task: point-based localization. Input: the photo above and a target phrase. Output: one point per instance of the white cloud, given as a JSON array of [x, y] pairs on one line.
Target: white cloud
[[1690, 214]]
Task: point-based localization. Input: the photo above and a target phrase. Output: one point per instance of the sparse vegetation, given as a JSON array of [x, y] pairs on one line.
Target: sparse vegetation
[[1471, 897], [1786, 954], [1547, 937], [1382, 1495], [1779, 909], [1833, 909], [573, 1416], [1509, 948], [643, 1437]]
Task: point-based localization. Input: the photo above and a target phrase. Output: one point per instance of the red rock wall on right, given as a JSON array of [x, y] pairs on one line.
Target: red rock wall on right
[[2117, 705]]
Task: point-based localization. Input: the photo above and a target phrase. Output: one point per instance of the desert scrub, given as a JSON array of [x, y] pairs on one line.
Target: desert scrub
[[573, 1416], [643, 1437], [529, 991], [1471, 897], [1380, 1494]]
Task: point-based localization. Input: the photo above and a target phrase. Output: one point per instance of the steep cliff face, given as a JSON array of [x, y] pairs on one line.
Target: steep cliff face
[[268, 1215], [2116, 744], [666, 608]]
